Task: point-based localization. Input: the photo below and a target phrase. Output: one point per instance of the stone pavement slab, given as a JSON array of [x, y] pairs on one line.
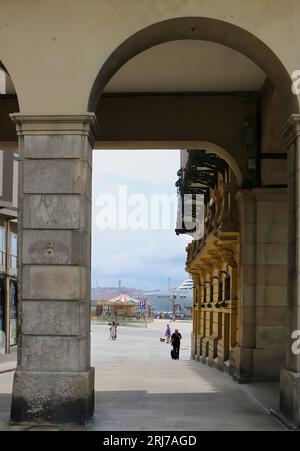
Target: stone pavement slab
[[139, 387]]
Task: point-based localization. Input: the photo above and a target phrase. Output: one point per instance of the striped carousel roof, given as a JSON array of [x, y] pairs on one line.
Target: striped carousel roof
[[124, 299]]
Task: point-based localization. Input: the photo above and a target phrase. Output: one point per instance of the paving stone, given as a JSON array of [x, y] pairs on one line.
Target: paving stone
[[138, 387]]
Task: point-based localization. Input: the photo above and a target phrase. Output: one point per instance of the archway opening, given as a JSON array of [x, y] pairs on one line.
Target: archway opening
[[135, 252], [8, 214], [150, 99]]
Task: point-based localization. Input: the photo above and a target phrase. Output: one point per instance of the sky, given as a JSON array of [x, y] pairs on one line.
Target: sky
[[133, 240]]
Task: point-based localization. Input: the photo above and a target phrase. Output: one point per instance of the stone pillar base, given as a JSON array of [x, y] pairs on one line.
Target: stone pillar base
[[194, 346], [204, 354], [199, 348], [212, 349], [53, 397], [290, 396]]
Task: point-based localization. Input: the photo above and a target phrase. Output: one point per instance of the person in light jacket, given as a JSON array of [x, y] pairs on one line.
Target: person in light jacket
[[113, 331]]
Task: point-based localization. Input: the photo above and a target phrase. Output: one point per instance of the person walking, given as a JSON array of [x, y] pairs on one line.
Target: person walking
[[113, 331], [168, 334], [175, 341]]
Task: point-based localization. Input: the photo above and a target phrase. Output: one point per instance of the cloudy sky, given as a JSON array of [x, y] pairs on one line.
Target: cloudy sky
[[132, 240]]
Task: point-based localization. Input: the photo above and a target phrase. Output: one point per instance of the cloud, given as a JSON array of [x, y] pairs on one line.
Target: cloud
[[142, 258], [145, 166]]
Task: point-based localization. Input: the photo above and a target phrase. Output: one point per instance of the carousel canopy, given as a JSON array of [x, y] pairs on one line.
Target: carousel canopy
[[122, 299]]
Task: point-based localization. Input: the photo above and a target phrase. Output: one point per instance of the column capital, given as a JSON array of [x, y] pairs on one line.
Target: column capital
[[195, 278], [291, 130], [68, 124]]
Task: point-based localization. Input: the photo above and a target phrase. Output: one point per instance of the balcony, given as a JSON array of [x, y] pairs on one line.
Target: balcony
[[221, 220]]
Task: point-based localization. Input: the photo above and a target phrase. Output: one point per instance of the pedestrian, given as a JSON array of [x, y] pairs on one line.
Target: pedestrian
[[113, 331], [175, 341], [168, 334]]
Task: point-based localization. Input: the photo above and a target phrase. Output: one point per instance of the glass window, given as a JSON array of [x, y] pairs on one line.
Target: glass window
[[2, 305], [2, 245], [13, 250]]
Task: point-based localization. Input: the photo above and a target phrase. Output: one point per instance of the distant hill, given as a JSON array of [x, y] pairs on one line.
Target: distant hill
[[107, 293]]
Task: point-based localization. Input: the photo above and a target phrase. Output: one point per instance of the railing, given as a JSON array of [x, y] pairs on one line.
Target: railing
[[218, 306], [222, 215]]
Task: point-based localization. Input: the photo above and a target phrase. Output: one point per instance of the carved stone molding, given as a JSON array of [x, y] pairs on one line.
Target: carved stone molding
[[70, 124]]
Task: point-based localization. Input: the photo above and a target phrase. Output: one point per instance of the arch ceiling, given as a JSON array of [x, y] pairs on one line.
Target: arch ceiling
[[188, 66], [201, 29]]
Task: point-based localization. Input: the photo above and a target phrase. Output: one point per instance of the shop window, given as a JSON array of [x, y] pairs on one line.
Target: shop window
[[2, 305], [13, 305], [2, 246], [13, 250], [2, 316]]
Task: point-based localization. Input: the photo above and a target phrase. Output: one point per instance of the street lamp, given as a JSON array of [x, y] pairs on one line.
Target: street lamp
[[172, 299]]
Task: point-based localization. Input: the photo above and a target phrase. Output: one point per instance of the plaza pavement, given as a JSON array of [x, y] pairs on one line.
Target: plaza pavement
[[8, 362], [138, 387]]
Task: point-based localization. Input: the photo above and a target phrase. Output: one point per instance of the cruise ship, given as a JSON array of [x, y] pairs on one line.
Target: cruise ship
[[179, 300], [161, 301], [183, 299]]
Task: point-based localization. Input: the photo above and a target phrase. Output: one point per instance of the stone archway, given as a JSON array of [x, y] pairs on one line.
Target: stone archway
[[198, 28], [8, 212], [247, 44], [54, 379]]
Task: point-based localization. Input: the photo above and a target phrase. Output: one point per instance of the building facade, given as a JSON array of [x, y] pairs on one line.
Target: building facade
[[240, 308], [8, 250]]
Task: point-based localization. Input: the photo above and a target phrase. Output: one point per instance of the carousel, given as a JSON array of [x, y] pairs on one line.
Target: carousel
[[122, 306]]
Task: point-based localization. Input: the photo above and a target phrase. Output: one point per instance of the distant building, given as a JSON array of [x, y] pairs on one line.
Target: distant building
[[8, 249], [213, 259]]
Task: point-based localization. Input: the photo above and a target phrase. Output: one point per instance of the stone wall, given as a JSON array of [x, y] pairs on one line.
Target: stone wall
[[260, 354]]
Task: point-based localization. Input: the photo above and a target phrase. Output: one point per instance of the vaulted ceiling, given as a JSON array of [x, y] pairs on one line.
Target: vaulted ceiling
[[188, 66]]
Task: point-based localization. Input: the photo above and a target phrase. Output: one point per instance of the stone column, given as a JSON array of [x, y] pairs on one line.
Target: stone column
[[247, 288], [195, 278], [201, 326], [54, 381], [290, 377]]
